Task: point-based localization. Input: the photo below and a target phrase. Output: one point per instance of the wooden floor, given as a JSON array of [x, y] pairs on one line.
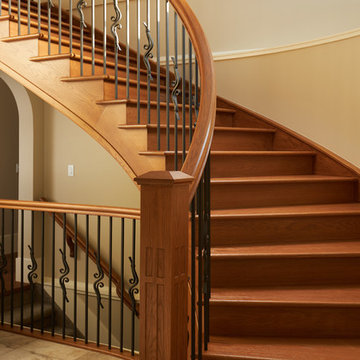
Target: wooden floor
[[19, 347]]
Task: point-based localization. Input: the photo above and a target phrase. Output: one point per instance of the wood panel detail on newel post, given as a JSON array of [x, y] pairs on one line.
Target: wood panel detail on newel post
[[163, 265]]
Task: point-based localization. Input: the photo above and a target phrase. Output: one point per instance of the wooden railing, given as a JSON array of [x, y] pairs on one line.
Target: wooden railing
[[166, 235], [83, 245], [51, 291]]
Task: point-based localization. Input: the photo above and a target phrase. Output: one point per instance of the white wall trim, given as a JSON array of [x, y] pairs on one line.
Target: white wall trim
[[241, 54]]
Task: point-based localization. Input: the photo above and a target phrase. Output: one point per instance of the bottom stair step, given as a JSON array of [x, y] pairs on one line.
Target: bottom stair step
[[318, 312], [272, 348]]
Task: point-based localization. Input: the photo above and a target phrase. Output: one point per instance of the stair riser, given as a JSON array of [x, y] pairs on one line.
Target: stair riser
[[287, 321], [99, 70], [222, 118], [232, 196], [109, 92], [222, 141], [256, 165], [275, 230], [43, 51], [282, 271]]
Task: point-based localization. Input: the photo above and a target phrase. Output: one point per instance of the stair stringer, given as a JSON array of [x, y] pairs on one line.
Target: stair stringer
[[78, 101]]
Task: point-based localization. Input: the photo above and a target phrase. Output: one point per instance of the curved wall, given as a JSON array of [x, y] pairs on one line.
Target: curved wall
[[233, 25], [314, 90]]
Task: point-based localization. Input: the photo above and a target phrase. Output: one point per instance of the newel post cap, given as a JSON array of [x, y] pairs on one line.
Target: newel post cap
[[163, 178]]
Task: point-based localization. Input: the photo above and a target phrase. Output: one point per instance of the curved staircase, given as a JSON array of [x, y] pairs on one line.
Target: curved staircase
[[285, 220], [285, 246]]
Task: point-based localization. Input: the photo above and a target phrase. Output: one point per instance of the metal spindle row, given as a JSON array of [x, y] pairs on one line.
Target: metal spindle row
[[48, 281], [200, 267]]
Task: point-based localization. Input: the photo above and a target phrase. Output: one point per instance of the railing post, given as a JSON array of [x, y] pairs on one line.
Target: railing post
[[163, 265]]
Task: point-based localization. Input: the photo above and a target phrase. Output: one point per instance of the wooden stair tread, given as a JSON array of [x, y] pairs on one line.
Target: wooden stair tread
[[282, 179], [217, 128], [240, 153], [322, 249], [20, 37], [312, 295], [272, 348], [299, 210], [154, 104], [111, 64]]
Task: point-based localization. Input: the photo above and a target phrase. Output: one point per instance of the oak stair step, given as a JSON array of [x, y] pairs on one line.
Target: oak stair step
[[286, 224], [224, 116], [317, 264], [252, 163], [281, 348], [315, 312], [261, 191]]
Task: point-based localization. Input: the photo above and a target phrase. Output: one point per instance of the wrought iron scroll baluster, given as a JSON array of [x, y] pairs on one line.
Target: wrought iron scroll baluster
[[133, 290], [148, 47], [116, 24], [98, 283], [64, 279], [33, 267], [80, 5], [174, 95]]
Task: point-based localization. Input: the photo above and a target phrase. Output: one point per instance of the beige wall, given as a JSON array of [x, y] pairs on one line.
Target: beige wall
[[98, 179], [248, 24], [314, 91]]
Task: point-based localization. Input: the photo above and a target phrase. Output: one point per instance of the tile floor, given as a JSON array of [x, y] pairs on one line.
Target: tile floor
[[19, 347]]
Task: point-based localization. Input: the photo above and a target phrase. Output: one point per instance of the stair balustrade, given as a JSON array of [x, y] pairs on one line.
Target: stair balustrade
[[153, 56]]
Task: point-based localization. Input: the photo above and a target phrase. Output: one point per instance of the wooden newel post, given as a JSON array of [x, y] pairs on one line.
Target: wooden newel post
[[163, 265]]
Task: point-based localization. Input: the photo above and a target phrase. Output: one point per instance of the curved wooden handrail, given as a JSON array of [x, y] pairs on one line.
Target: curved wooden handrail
[[71, 208], [201, 143]]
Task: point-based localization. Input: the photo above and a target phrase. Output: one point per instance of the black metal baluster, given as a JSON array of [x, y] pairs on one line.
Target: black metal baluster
[[174, 94], [138, 61], [53, 277], [60, 23], [2, 264], [122, 285], [12, 268], [110, 279], [167, 94], [50, 5], [39, 15], [70, 26], [200, 199], [22, 272], [183, 94], [32, 268], [133, 290], [63, 278], [28, 16], [190, 94], [75, 273], [207, 178], [114, 27], [93, 37], [42, 269], [158, 74], [148, 55], [127, 49], [80, 5], [105, 36], [99, 276], [19, 17], [196, 89], [87, 282], [193, 279]]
